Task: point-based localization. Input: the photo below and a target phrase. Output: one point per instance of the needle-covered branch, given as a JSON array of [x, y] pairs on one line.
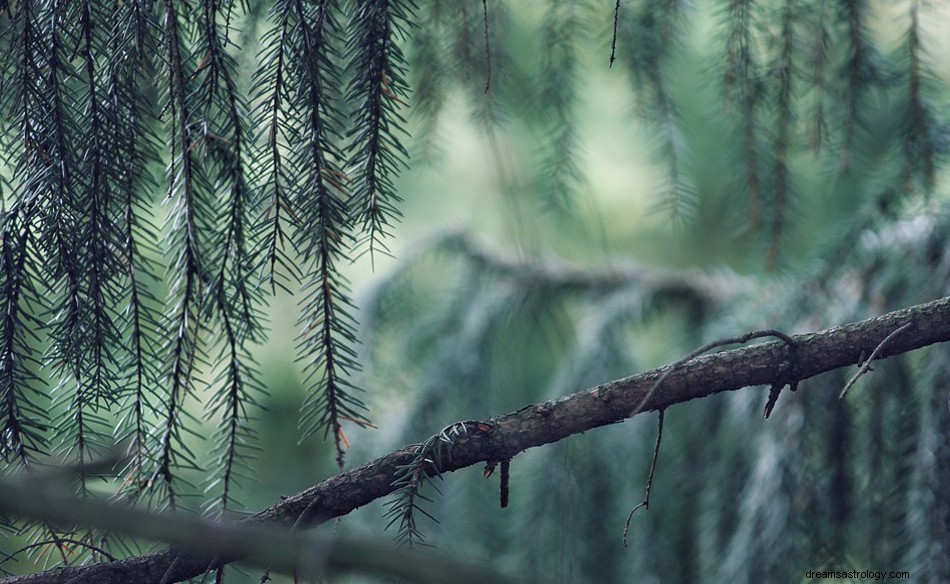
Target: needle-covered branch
[[504, 436]]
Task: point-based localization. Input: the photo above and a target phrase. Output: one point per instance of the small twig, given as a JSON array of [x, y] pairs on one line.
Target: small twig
[[489, 468], [774, 392], [58, 543], [613, 41], [646, 497], [503, 483], [487, 47], [741, 339], [866, 366]]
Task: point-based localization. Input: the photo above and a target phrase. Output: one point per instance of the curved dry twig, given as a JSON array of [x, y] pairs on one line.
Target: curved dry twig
[[646, 496], [866, 366]]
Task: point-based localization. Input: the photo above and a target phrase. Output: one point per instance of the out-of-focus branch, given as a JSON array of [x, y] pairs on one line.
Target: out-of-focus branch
[[212, 543], [621, 272], [502, 437]]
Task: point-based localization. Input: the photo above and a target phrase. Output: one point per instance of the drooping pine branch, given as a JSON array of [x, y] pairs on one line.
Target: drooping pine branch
[[647, 39], [409, 482], [100, 220], [918, 146], [64, 206], [272, 89], [820, 50], [22, 94], [464, 30], [299, 83], [32, 90], [330, 330], [231, 308], [99, 235], [856, 71], [784, 69], [561, 34], [743, 91], [377, 90], [23, 418], [430, 69], [182, 323], [130, 61], [63, 186]]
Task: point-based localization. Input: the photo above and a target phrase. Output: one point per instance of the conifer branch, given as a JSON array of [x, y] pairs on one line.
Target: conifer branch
[[377, 90], [855, 66], [561, 35], [81, 342], [429, 457], [819, 58], [784, 67], [554, 420], [648, 38], [866, 365], [918, 150], [231, 306], [429, 72], [23, 420], [320, 202], [132, 137], [271, 87], [307, 555], [183, 323], [743, 91], [64, 209]]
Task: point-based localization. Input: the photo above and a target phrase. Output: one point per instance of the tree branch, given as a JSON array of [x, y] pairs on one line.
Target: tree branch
[[505, 436], [309, 555]]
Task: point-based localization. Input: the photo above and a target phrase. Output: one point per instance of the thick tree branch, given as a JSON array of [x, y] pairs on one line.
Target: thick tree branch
[[504, 436]]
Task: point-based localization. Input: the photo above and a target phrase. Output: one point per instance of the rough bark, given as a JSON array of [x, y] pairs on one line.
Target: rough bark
[[504, 436]]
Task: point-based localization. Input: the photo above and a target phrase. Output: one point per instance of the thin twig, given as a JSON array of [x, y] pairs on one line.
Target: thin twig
[[487, 47], [866, 366], [646, 497], [613, 41], [58, 543], [741, 339], [503, 492]]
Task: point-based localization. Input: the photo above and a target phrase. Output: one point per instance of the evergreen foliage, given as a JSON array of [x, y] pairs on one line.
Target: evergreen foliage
[[156, 195]]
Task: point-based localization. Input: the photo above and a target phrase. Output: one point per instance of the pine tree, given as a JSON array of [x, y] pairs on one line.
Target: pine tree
[[171, 170]]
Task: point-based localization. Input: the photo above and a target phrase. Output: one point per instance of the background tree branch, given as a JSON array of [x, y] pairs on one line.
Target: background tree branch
[[505, 436], [310, 555]]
